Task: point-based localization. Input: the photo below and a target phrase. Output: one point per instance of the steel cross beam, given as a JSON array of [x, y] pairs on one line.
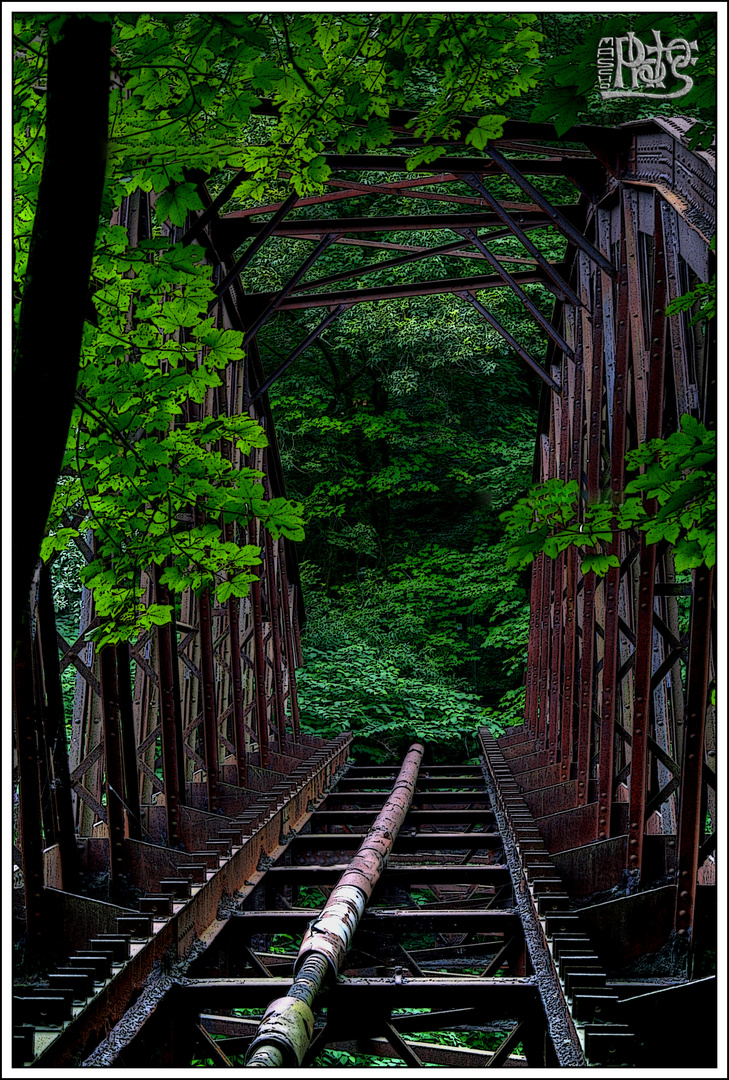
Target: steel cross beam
[[301, 227], [493, 321], [558, 218], [518, 291], [396, 292]]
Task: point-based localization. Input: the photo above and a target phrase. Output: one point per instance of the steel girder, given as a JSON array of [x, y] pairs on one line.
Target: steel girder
[[618, 739]]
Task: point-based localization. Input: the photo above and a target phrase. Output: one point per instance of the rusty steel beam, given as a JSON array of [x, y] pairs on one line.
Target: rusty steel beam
[[558, 218], [282, 368], [354, 190], [399, 292], [456, 165], [302, 227], [287, 1025], [494, 322]]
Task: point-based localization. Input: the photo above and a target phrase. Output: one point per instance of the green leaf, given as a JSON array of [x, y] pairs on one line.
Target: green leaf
[[177, 203], [159, 614], [488, 127], [600, 564]]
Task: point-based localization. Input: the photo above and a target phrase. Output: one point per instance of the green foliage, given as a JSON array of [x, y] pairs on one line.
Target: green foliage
[[385, 702], [704, 295], [137, 463], [673, 499], [138, 459]]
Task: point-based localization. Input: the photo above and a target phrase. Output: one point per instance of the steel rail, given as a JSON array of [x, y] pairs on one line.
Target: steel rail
[[287, 1026]]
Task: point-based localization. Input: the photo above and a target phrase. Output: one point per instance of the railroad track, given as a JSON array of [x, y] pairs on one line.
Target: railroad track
[[468, 929]]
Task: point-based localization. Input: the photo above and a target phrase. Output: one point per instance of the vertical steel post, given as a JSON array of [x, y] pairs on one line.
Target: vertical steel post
[[591, 342], [644, 630], [30, 832], [530, 706], [689, 828], [290, 646], [210, 719], [568, 678], [260, 666], [574, 472], [56, 732], [611, 657], [129, 746], [239, 722], [113, 768], [170, 721], [556, 662], [48, 809], [543, 733], [276, 636]]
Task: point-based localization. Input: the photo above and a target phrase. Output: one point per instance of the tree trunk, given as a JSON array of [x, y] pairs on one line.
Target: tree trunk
[[55, 297]]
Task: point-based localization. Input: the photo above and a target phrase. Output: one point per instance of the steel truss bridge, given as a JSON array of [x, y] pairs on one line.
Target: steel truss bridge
[[586, 843]]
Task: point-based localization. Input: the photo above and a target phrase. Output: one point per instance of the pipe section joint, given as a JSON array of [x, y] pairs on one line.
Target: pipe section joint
[[287, 1024], [331, 933]]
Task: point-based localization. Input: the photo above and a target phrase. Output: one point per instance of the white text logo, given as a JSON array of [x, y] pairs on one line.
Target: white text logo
[[628, 68]]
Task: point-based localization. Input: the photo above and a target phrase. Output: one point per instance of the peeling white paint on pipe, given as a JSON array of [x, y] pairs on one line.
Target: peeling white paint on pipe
[[287, 1026]]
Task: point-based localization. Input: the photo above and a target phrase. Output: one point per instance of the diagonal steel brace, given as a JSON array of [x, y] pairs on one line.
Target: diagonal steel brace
[[518, 232], [288, 287], [493, 321], [517, 289], [561, 222], [297, 352]]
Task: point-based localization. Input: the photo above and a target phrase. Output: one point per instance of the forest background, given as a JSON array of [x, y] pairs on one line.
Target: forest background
[[405, 431]]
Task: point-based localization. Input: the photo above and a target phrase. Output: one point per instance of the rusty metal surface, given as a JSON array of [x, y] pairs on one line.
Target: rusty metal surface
[[600, 752], [197, 917]]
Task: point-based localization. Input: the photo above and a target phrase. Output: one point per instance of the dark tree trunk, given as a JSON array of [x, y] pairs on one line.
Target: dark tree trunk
[[55, 297]]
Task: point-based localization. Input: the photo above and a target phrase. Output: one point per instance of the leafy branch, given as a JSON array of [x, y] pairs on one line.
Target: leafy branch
[[673, 499]]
